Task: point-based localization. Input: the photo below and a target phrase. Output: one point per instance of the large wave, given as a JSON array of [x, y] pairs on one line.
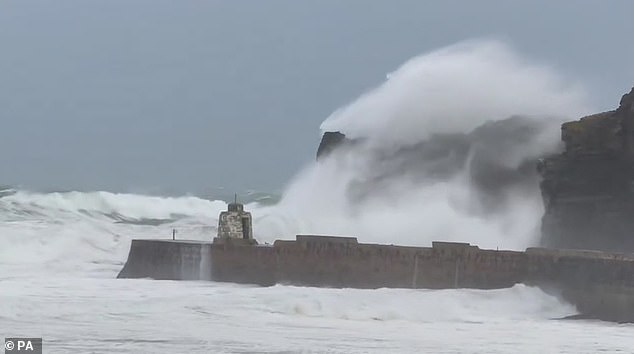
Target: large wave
[[444, 149], [92, 231], [432, 136]]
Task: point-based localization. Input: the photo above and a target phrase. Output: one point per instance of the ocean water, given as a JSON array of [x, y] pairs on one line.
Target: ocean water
[[60, 254]]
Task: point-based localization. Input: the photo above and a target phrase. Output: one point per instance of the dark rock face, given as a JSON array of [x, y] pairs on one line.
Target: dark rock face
[[588, 190], [329, 142]]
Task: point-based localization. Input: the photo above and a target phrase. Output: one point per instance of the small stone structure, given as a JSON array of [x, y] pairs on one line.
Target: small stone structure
[[235, 226]]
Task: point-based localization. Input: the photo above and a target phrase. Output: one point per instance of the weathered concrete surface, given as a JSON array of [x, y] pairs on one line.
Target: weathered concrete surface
[[235, 223], [588, 189], [168, 260], [329, 262], [600, 284]]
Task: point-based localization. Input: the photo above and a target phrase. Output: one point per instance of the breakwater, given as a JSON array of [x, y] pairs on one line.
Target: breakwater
[[600, 284]]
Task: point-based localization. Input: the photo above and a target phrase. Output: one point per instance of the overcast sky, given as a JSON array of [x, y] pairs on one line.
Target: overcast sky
[[186, 96]]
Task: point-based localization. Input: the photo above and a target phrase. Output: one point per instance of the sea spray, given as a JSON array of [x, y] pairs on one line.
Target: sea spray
[[407, 181]]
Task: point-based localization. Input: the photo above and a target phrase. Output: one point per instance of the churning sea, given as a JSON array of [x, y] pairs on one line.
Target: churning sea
[[60, 254]]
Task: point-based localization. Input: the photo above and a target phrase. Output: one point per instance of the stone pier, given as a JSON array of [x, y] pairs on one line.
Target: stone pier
[[600, 284]]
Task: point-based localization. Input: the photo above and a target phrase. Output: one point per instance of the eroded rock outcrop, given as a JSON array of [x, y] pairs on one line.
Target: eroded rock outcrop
[[329, 142], [588, 189]]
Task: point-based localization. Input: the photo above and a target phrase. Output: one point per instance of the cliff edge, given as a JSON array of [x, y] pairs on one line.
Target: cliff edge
[[588, 190]]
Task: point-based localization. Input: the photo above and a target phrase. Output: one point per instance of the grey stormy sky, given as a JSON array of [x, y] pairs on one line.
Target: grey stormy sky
[[184, 96]]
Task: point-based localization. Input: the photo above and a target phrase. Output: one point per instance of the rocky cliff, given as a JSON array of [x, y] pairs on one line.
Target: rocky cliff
[[588, 190], [329, 142]]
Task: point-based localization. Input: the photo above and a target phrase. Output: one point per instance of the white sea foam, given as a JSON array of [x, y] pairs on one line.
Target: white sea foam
[[77, 314], [455, 89]]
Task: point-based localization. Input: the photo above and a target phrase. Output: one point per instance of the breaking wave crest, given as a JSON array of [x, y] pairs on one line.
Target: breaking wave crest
[[93, 230], [444, 149], [518, 302]]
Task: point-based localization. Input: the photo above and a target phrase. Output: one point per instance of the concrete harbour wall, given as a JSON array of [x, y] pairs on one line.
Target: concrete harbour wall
[[168, 260], [600, 284]]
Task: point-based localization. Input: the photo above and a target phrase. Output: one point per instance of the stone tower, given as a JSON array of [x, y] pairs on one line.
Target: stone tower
[[235, 226]]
